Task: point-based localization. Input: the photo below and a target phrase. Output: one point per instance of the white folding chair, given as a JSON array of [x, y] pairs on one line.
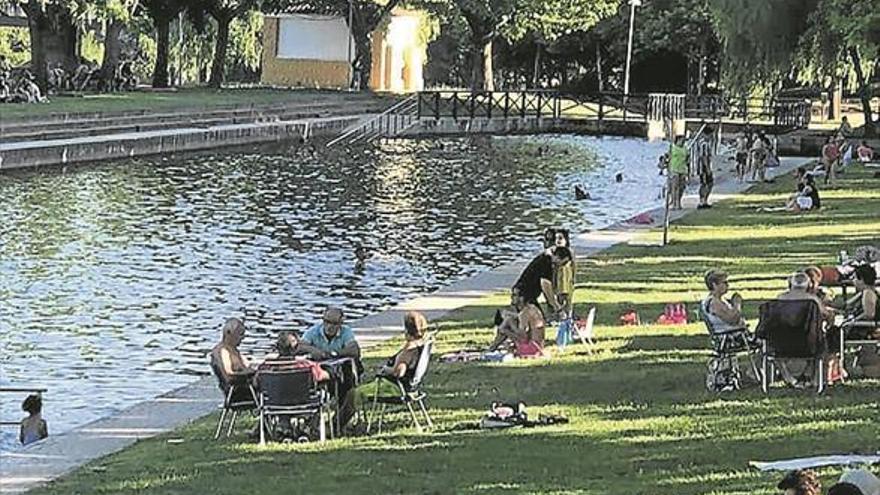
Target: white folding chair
[[585, 332]]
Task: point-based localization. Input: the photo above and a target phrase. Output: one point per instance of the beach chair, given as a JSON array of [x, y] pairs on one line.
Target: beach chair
[[792, 329], [409, 393], [727, 346], [585, 332], [291, 394], [238, 395]]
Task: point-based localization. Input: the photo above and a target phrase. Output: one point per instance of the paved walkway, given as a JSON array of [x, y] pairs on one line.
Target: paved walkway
[[60, 454]]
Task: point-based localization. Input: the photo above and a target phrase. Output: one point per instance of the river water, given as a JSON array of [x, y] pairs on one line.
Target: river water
[[115, 278]]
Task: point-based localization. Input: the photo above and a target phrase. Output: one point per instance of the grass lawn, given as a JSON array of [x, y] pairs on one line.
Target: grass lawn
[[183, 98], [641, 419]]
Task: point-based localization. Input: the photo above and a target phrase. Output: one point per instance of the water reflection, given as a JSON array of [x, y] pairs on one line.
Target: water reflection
[[114, 279]]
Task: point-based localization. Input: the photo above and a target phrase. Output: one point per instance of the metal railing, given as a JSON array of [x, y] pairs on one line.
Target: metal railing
[[392, 122], [20, 390]]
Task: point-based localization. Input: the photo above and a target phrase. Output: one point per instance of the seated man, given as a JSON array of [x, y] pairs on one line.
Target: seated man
[[225, 356], [525, 325], [722, 315], [331, 338]]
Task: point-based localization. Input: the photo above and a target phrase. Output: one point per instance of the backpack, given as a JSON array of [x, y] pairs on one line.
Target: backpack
[[723, 374]]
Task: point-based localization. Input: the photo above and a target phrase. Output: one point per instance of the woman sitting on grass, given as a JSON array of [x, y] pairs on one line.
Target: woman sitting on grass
[[523, 328]]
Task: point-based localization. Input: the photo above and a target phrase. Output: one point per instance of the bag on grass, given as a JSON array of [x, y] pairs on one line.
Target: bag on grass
[[723, 375]]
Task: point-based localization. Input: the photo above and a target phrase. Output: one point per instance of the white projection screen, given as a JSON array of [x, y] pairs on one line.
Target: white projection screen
[[313, 37]]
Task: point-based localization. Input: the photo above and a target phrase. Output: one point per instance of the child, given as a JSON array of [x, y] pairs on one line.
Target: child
[[33, 427]]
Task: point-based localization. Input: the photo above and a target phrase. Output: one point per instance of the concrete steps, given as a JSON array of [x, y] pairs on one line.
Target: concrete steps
[[54, 127]]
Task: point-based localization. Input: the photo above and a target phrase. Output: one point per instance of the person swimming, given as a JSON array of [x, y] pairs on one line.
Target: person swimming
[[580, 193]]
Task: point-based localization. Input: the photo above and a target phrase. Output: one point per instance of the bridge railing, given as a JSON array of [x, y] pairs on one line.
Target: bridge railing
[[487, 104]]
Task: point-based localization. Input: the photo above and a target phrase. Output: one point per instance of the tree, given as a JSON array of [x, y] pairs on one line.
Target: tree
[[814, 39], [162, 12], [485, 19], [53, 37], [224, 12], [118, 15]]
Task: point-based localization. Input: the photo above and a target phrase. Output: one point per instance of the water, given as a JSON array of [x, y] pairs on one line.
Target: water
[[115, 279]]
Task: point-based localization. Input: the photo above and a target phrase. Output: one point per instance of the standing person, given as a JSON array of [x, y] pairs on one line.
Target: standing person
[[704, 164], [830, 155], [33, 427], [845, 130], [759, 158], [678, 171], [742, 156]]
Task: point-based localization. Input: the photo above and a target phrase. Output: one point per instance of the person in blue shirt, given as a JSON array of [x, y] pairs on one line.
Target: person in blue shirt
[[331, 338]]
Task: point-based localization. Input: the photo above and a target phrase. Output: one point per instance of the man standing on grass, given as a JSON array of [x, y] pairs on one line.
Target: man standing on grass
[[678, 172], [704, 164]]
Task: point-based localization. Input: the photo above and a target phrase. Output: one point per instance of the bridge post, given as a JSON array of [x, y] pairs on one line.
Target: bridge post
[[522, 108], [419, 105], [455, 106], [539, 105], [506, 104], [437, 105], [489, 105]]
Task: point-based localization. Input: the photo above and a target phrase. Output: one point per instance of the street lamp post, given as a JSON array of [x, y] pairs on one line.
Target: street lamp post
[[629, 45]]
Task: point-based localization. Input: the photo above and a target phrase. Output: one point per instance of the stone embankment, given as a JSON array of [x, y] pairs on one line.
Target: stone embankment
[[59, 139]]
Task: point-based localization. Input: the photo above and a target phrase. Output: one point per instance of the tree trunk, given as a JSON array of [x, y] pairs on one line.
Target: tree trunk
[[488, 73], [53, 39], [362, 63], [599, 67], [112, 50], [160, 71], [701, 74], [219, 65], [536, 70], [864, 93]]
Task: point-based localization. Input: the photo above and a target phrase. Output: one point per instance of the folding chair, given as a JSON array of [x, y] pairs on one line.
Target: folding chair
[[291, 393], [238, 395], [585, 332], [410, 393], [730, 343], [792, 329]]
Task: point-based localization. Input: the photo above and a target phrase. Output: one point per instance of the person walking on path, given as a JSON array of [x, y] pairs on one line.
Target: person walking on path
[[678, 171], [704, 164]]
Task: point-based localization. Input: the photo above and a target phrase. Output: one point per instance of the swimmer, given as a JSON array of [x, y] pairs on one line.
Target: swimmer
[[619, 177], [580, 193]]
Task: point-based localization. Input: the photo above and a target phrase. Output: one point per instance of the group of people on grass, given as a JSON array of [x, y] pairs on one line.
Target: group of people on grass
[[725, 314], [839, 151], [521, 327], [851, 482], [329, 340]]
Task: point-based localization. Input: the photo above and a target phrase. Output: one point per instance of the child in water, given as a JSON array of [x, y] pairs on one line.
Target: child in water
[[33, 427]]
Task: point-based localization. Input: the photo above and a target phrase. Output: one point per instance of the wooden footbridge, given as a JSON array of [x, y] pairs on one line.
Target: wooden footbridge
[[504, 112]]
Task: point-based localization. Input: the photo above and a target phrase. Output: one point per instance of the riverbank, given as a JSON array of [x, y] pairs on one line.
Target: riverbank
[[680, 348]]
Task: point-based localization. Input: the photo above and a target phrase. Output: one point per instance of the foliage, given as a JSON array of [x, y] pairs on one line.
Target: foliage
[[15, 45], [245, 42], [90, 47], [641, 420]]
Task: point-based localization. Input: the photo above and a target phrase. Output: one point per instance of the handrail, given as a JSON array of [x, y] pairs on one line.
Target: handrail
[[38, 390], [390, 110]]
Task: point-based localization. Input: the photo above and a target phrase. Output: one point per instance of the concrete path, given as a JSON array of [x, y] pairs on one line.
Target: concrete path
[[60, 454]]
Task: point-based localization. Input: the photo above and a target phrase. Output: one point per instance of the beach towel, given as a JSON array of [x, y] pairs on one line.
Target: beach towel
[[814, 462]]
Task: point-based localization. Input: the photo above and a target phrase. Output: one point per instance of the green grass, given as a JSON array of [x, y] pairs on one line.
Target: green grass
[[641, 419], [183, 98]]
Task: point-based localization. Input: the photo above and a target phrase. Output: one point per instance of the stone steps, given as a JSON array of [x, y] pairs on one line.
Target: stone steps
[[66, 126]]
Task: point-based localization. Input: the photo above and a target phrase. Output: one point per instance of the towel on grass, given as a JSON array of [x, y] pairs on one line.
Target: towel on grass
[[812, 462]]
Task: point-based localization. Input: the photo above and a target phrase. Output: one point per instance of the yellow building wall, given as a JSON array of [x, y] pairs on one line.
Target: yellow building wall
[[298, 72]]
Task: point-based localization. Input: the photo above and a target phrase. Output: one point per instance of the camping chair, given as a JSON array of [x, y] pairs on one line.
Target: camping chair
[[409, 392], [861, 328], [291, 393], [792, 329], [585, 332], [729, 343], [238, 395]]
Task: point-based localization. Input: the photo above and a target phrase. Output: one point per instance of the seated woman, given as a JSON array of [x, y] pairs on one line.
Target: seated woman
[[722, 315], [807, 197], [865, 152], [523, 328], [402, 365], [291, 356], [866, 303]]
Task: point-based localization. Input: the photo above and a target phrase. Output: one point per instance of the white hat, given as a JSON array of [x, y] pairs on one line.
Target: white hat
[[863, 479]]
